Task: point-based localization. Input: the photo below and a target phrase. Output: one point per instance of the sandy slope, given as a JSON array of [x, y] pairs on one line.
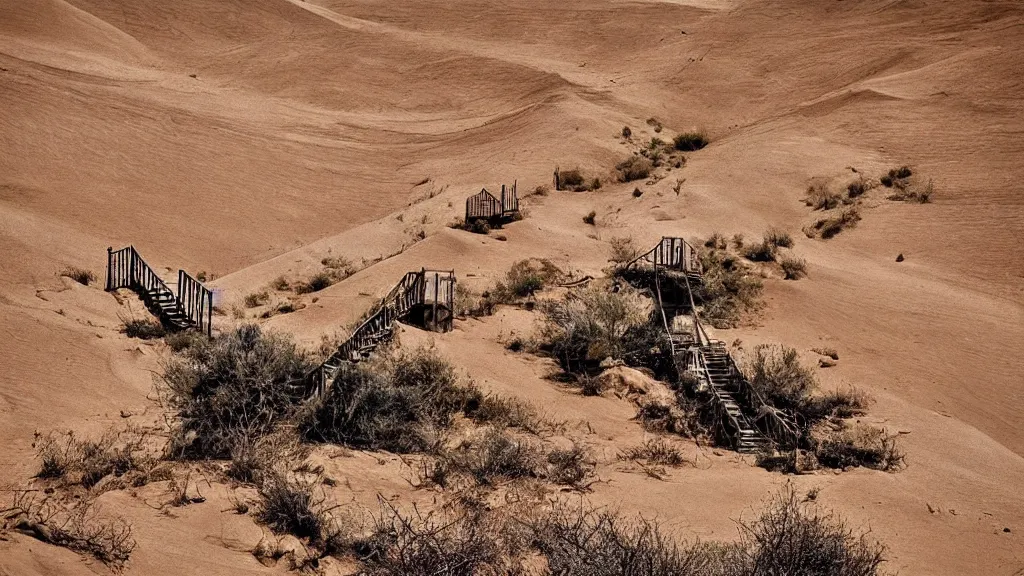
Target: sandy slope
[[251, 139]]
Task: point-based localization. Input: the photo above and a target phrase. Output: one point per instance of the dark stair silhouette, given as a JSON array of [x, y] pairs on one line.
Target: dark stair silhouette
[[190, 307]]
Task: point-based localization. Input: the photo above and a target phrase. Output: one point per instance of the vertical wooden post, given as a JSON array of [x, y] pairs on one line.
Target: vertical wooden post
[[110, 267]]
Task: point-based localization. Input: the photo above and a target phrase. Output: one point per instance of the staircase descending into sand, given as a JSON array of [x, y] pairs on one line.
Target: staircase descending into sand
[[425, 298], [190, 307], [670, 269]]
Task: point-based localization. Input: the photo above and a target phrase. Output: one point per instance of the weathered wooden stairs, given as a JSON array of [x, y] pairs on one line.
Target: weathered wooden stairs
[[669, 269], [190, 307], [425, 298]]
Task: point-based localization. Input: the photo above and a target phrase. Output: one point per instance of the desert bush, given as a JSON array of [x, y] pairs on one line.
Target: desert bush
[[178, 341], [843, 403], [339, 266], [857, 188], [257, 299], [637, 192], [251, 460], [86, 461], [786, 538], [827, 351], [821, 197], [592, 324], [716, 241], [452, 541], [681, 418], [315, 283], [857, 445], [624, 250], [233, 389], [656, 451], [398, 404], [763, 251], [727, 288], [80, 529], [523, 279], [907, 191], [80, 275], [794, 268], [293, 506], [491, 455], [690, 141], [833, 225], [793, 539], [595, 183], [570, 467], [142, 328], [896, 176], [569, 179], [776, 372], [280, 284], [635, 167], [626, 132], [778, 238], [502, 412], [590, 218], [470, 303]]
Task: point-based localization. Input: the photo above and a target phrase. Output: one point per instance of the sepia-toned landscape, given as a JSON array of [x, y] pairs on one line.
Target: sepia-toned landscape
[[744, 295]]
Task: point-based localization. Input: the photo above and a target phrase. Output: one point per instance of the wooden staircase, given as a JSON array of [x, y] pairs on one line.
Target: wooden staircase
[[190, 307], [430, 293], [726, 380]]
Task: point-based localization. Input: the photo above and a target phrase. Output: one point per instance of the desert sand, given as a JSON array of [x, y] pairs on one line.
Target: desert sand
[[249, 140]]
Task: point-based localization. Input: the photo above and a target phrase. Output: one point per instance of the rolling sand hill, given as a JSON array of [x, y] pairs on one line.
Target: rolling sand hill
[[250, 139]]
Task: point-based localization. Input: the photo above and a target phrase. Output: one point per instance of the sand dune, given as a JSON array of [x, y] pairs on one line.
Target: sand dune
[[250, 140]]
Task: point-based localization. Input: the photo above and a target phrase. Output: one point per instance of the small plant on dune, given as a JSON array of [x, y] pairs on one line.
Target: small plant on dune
[[778, 238], [655, 452], [716, 241], [595, 183], [569, 179], [80, 275], [88, 462], [523, 280], [635, 167], [690, 141], [857, 188], [763, 251], [142, 328], [80, 528], [257, 299], [315, 283], [590, 218], [896, 176], [821, 197], [340, 266], [623, 250], [280, 284], [570, 467], [489, 456], [178, 341], [827, 351], [858, 445], [829, 227], [794, 268], [502, 412], [626, 132], [293, 506]]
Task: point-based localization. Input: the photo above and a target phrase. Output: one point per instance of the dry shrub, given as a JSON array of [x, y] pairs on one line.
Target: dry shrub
[[80, 275], [340, 266], [843, 403], [489, 456], [87, 462], [716, 241], [827, 351], [786, 538], [778, 238], [257, 299], [590, 218], [142, 328], [763, 251], [454, 540], [571, 467], [794, 268], [690, 141], [80, 528], [776, 372], [399, 404], [570, 180], [315, 283], [178, 341], [624, 250], [857, 445], [232, 390], [502, 412], [727, 288], [293, 506], [821, 197], [523, 279], [592, 324], [251, 460], [657, 451], [858, 187], [829, 227], [635, 167], [680, 418]]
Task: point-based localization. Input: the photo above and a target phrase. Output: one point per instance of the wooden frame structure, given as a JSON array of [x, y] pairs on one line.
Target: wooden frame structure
[[190, 307], [486, 206]]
